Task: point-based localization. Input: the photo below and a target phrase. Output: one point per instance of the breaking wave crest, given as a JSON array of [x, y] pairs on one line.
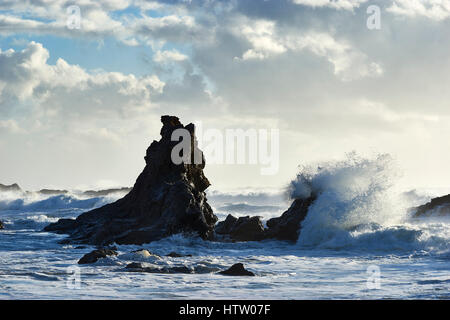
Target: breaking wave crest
[[358, 208], [34, 203]]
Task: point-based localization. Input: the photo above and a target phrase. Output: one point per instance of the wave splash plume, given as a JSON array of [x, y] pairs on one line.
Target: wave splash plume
[[357, 207]]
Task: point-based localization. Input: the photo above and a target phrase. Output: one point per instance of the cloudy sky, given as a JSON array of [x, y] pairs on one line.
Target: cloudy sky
[[79, 106]]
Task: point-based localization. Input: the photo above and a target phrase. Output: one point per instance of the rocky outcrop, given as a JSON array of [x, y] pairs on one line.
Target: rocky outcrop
[[286, 227], [63, 226], [95, 255], [237, 270], [2, 226], [436, 207], [12, 187], [241, 229], [167, 198]]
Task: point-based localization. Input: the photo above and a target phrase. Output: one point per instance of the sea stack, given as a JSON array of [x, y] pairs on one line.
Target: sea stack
[[167, 199]]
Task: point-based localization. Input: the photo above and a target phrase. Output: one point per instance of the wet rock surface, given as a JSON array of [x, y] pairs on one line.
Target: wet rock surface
[[237, 270], [2, 226], [166, 199], [97, 254]]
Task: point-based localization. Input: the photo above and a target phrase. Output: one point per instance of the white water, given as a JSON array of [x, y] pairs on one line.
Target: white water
[[357, 222]]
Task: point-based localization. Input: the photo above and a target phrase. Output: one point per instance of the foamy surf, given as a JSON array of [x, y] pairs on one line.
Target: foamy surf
[[359, 221]]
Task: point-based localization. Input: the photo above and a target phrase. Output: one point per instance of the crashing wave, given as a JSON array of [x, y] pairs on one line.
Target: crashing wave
[[357, 207]]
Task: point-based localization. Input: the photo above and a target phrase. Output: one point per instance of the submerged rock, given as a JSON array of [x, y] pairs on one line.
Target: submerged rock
[[178, 255], [237, 270], [436, 207], [139, 267], [166, 199], [170, 269], [141, 255], [95, 255]]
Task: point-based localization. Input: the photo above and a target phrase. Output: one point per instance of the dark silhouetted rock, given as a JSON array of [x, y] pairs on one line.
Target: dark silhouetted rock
[[2, 226], [166, 199], [178, 255], [135, 265], [237, 270], [436, 207], [12, 187], [287, 226], [93, 256], [106, 192], [63, 226], [169, 269], [241, 229]]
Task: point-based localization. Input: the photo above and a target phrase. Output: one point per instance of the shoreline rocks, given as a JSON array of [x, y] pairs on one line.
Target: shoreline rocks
[[166, 199], [437, 207], [11, 187], [286, 227], [241, 229]]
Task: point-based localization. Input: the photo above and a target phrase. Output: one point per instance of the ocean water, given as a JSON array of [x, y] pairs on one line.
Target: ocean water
[[357, 242]]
